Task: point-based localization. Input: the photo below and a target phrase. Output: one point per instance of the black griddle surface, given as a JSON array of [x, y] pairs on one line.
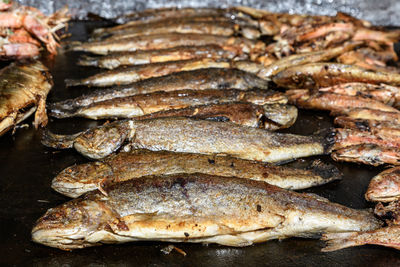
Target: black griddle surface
[[27, 168]]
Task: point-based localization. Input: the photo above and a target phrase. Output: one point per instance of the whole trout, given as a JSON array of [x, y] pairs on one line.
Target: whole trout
[[194, 208], [79, 179], [192, 136]]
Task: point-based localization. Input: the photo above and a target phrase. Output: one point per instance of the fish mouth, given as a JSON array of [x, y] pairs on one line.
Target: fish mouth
[[65, 239], [72, 189], [376, 196]]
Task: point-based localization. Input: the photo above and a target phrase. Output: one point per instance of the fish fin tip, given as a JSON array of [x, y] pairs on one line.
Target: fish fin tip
[[337, 241], [72, 82]]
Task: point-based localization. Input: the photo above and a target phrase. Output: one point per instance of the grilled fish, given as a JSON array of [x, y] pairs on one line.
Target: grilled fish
[[386, 94], [334, 102], [316, 75], [169, 40], [137, 105], [200, 25], [146, 71], [386, 236], [364, 125], [192, 136], [380, 137], [79, 179], [23, 90], [368, 154], [370, 114], [385, 186], [116, 60], [194, 208], [212, 78]]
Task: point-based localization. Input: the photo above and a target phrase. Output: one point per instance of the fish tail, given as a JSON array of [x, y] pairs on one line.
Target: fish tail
[[73, 82], [327, 138], [62, 110], [88, 61], [327, 171], [336, 241], [58, 141]]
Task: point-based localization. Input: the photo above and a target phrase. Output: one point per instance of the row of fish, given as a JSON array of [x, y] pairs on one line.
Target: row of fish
[[184, 163]]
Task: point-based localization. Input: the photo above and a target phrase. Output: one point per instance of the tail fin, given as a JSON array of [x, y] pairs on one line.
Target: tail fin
[[336, 241], [327, 138], [58, 141], [325, 170]]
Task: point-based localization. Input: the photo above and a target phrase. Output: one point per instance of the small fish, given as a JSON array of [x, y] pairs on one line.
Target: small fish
[[193, 136], [201, 79], [371, 114], [317, 75], [116, 60], [334, 102], [369, 154], [23, 90], [386, 94], [380, 137], [201, 25], [142, 104], [385, 186], [169, 40], [386, 236], [79, 179], [364, 125], [194, 208]]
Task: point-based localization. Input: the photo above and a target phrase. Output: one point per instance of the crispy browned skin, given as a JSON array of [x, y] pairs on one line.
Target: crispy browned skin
[[202, 79], [334, 102], [390, 213], [169, 40], [386, 236], [194, 208], [385, 186], [136, 73], [78, 179], [369, 154], [137, 105], [269, 116], [380, 137], [364, 125], [115, 60], [200, 25], [23, 89], [193, 136], [316, 75], [371, 114]]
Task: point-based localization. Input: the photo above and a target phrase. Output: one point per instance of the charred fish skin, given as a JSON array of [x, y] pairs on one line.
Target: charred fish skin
[[202, 79], [136, 73], [116, 60], [385, 186], [143, 104], [169, 40], [23, 86], [178, 135], [197, 208], [79, 179], [316, 75]]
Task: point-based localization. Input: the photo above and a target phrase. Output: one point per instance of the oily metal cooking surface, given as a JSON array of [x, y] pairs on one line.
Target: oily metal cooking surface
[[27, 168]]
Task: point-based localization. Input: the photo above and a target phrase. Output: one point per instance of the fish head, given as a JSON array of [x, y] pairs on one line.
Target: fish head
[[79, 179], [283, 115], [101, 141], [385, 186], [71, 224]]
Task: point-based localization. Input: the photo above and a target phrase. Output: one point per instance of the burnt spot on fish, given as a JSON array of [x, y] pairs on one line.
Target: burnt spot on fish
[[211, 161], [232, 165], [218, 118], [122, 226], [363, 125], [259, 208], [186, 234]]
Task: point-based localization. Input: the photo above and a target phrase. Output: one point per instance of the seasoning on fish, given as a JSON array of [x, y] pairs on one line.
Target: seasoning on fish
[[369, 154], [385, 186], [201, 79], [79, 179], [269, 116], [23, 90], [316, 75], [169, 40], [193, 136], [201, 25], [116, 60], [137, 105], [386, 94], [386, 236], [334, 102], [380, 137], [194, 208], [145, 71]]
